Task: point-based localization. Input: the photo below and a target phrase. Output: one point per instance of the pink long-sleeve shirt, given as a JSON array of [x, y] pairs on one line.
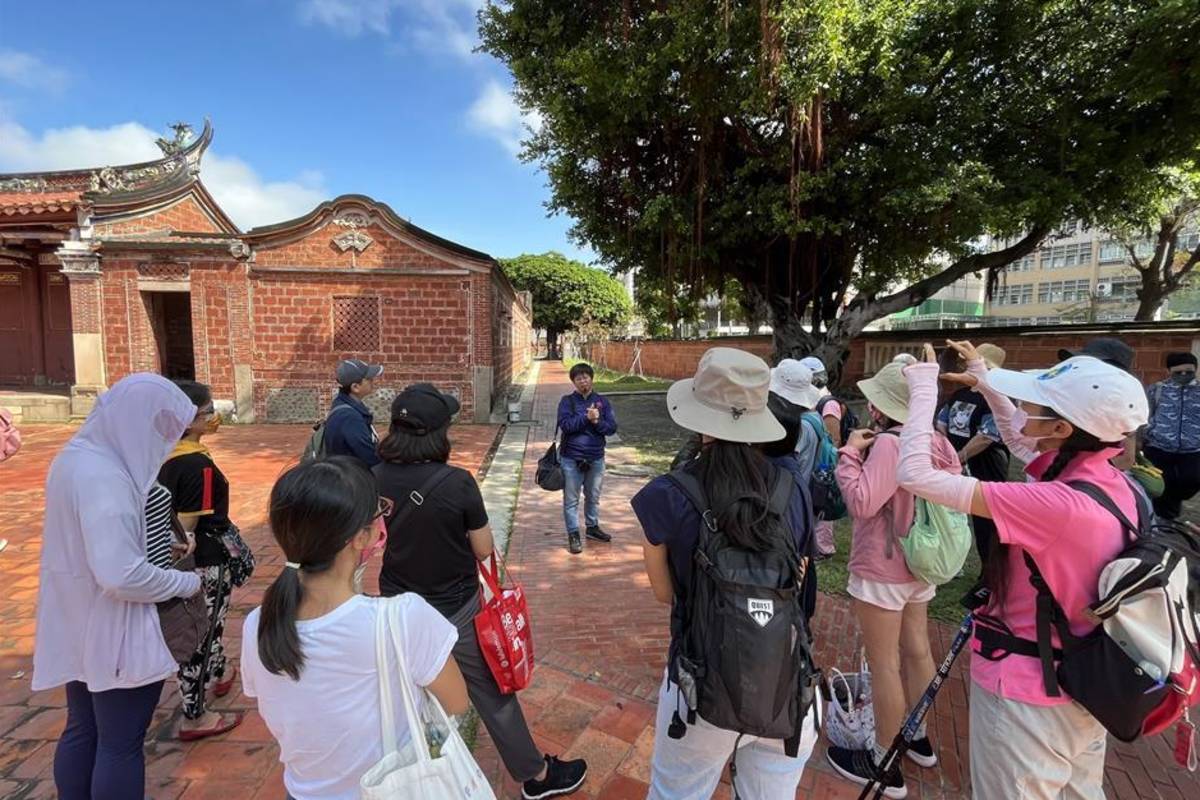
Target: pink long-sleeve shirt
[[881, 510]]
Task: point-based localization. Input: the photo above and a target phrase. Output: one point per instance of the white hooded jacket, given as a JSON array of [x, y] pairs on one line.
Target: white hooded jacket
[[96, 618]]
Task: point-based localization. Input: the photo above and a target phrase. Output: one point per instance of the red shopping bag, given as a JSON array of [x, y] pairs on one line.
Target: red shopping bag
[[502, 626]]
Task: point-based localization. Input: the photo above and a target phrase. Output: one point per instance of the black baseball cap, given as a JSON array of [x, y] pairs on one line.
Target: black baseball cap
[[1107, 349], [352, 371], [421, 408]]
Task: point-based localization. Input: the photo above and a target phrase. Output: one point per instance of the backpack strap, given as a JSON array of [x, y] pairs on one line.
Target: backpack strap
[[417, 497], [690, 485]]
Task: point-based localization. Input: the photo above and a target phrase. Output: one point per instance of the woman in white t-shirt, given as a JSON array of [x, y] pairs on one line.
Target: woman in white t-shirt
[[308, 653]]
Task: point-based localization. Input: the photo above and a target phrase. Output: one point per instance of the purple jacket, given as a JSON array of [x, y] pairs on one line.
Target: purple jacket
[[582, 439]]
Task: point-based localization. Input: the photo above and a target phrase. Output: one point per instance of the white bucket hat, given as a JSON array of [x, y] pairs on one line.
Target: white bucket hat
[[727, 399], [813, 363], [792, 381], [887, 390], [1099, 398]]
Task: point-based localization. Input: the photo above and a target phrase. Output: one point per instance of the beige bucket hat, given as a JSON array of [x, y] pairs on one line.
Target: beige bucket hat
[[993, 355], [727, 399], [888, 391]]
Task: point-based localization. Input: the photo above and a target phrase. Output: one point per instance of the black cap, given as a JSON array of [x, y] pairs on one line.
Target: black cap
[[421, 408], [352, 371], [1109, 350]]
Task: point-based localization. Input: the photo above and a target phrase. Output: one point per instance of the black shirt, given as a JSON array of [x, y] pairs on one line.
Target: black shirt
[[967, 414], [429, 552], [199, 489]]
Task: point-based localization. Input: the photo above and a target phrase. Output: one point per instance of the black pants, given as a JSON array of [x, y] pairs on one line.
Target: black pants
[[1181, 479]]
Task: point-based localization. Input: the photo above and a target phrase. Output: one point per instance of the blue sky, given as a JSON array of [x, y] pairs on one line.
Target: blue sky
[[309, 99]]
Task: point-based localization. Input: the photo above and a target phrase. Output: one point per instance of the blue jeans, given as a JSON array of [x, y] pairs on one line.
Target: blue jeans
[[99, 754], [590, 482]]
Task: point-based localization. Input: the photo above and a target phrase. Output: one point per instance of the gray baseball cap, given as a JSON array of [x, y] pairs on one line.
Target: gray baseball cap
[[352, 371]]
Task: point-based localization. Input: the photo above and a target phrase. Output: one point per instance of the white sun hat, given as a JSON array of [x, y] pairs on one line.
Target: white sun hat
[[727, 399], [813, 363], [792, 381], [1099, 398]]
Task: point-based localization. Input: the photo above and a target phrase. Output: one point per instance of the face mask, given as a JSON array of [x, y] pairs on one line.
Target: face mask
[[876, 416], [1020, 419], [1183, 378], [213, 425], [364, 558]]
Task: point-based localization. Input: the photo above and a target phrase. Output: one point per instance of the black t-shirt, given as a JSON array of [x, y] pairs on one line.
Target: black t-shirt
[[429, 552], [967, 414], [199, 489]]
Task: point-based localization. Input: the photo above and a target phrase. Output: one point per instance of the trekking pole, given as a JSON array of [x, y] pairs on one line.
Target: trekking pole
[[909, 729]]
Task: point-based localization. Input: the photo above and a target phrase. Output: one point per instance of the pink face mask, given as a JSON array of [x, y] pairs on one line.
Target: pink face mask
[[380, 528], [1020, 419]]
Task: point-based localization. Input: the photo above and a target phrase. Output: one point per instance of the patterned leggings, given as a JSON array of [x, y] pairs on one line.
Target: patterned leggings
[[216, 589]]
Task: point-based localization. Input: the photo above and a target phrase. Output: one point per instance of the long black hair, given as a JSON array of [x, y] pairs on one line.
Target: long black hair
[[734, 476], [996, 570], [316, 509]]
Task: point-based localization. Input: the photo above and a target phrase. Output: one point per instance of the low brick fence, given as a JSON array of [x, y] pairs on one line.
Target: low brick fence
[[1027, 348]]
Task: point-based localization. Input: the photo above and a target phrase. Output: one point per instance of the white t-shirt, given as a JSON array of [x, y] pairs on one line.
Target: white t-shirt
[[327, 723]]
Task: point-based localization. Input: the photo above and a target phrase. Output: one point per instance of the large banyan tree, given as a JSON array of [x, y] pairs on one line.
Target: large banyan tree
[[843, 158]]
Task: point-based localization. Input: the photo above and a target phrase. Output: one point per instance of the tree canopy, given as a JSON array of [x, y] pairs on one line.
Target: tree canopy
[[826, 152], [567, 292]]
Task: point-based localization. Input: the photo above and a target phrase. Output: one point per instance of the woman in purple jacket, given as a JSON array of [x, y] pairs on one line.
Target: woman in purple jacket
[[585, 419]]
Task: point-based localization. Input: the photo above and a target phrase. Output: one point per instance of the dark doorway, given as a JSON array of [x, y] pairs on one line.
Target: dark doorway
[[171, 320]]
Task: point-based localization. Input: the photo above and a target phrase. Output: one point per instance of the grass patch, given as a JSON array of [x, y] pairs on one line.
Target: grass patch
[[608, 380], [645, 427], [833, 574]]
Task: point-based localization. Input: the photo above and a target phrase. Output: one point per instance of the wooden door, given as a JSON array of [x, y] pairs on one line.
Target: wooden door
[[18, 307], [57, 350]]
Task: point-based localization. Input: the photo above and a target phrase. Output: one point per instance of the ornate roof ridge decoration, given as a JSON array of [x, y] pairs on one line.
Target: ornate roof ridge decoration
[[179, 164], [356, 211]]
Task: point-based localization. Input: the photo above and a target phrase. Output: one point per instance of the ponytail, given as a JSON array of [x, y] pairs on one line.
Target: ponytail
[[316, 509], [278, 640]]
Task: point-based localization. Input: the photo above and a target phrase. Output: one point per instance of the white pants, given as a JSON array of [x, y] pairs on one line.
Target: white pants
[[1026, 752], [690, 768]]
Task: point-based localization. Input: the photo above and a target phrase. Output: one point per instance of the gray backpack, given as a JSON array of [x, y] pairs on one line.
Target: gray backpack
[[744, 656], [315, 449]]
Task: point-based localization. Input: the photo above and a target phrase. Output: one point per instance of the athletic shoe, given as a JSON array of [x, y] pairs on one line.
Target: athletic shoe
[[597, 533], [562, 778], [573, 542], [921, 751], [859, 767]]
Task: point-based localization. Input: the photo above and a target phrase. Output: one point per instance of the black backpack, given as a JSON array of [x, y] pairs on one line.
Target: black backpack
[[743, 659], [849, 421]]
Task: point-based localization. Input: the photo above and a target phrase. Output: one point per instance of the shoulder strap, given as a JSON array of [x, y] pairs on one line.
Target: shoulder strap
[[1100, 496], [417, 497], [781, 491], [690, 485], [338, 408]]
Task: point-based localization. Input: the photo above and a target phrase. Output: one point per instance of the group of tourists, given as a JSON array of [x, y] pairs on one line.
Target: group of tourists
[[733, 538]]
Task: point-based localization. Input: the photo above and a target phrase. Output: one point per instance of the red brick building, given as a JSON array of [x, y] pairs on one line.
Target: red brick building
[[114, 270]]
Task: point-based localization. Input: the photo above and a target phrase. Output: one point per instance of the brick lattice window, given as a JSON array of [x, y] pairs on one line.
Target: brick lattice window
[[356, 324]]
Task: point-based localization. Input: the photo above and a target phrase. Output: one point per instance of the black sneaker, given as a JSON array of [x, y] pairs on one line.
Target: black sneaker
[[921, 751], [859, 766], [597, 533], [574, 544], [562, 777]]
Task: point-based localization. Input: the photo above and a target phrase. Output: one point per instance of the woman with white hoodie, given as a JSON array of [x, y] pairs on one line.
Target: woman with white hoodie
[[98, 631]]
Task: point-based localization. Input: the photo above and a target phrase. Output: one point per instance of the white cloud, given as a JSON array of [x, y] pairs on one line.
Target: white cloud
[[30, 72], [496, 114], [440, 26], [245, 195]]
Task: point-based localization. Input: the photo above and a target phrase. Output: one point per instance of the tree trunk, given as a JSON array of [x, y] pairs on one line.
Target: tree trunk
[[552, 353], [1150, 298]]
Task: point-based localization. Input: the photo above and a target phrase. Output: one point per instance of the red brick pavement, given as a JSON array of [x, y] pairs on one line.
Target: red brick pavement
[[601, 643], [240, 765]]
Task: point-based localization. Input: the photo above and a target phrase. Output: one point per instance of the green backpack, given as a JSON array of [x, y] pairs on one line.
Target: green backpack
[[937, 543]]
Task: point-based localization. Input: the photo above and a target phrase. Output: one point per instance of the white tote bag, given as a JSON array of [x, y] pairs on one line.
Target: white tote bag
[[413, 772], [850, 721]]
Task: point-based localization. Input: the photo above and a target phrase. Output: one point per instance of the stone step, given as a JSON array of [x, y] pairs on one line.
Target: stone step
[[36, 406]]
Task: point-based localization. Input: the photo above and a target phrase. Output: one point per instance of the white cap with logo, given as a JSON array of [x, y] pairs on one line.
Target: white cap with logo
[[1099, 398]]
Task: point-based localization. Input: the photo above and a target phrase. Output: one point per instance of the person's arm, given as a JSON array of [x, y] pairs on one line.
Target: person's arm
[[833, 422], [943, 420], [572, 415], [978, 443], [116, 557], [482, 544], [361, 441], [658, 571], [450, 689], [915, 470], [607, 424], [868, 480]]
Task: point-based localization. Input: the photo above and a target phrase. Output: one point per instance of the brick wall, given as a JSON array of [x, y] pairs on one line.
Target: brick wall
[[512, 332], [317, 249], [183, 215], [422, 332], [1026, 349]]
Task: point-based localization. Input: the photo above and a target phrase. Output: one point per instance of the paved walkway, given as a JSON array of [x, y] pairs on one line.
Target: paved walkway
[[601, 641], [242, 765]]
